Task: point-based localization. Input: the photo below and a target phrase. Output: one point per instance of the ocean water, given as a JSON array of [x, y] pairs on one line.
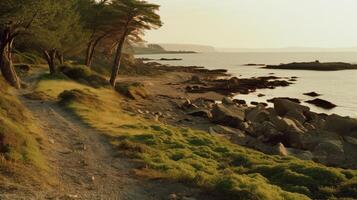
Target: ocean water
[[339, 87]]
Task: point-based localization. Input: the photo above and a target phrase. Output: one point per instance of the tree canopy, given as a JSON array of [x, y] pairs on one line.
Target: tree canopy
[[72, 28]]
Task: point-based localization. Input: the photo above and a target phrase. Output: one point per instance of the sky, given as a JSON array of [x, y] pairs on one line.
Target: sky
[[257, 23]]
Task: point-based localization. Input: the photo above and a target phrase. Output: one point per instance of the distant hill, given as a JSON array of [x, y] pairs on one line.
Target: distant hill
[[289, 49], [158, 49], [187, 47]]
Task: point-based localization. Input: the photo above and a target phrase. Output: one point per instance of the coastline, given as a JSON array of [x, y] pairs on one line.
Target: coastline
[[188, 97]]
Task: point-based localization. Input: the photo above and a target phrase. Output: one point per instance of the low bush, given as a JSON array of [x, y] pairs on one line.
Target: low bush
[[83, 74], [132, 90]]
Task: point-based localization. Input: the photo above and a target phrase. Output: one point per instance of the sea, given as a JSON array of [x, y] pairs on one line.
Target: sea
[[338, 87]]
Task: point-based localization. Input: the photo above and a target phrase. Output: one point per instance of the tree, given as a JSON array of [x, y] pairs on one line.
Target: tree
[[134, 17], [19, 17], [97, 19], [59, 36]]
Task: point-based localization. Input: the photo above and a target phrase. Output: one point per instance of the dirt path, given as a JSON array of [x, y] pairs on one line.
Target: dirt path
[[84, 162]]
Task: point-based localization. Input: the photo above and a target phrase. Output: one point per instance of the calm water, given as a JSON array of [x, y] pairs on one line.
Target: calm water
[[339, 87]]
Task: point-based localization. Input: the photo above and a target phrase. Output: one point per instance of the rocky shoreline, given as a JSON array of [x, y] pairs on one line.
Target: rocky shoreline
[[201, 99], [287, 129]]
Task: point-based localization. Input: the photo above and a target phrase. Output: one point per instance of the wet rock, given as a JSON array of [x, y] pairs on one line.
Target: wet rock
[[228, 115], [312, 94], [286, 98], [322, 103]]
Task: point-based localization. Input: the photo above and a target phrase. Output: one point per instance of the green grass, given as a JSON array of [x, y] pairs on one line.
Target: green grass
[[198, 158]]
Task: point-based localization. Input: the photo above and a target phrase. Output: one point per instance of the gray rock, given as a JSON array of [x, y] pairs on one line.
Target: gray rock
[[341, 125], [258, 114], [228, 115], [283, 106], [301, 154], [200, 113], [329, 153], [300, 117]]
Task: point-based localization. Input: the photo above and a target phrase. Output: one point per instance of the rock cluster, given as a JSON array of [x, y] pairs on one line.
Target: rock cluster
[[288, 129], [236, 85]]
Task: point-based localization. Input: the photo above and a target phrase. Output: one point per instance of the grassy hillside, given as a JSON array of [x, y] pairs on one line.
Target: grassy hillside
[[20, 142], [196, 157]]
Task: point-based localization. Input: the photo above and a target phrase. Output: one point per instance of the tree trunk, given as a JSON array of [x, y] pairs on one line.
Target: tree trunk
[[89, 54], [50, 58], [117, 61], [92, 45], [6, 65], [60, 58]]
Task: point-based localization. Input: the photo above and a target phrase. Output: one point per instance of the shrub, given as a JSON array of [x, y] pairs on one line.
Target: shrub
[[133, 90], [83, 74]]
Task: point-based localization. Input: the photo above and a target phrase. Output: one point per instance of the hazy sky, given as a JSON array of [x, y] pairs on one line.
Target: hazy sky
[[258, 23]]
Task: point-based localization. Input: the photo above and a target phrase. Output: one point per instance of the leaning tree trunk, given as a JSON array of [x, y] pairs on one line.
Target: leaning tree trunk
[[89, 54], [92, 45], [6, 65], [117, 61], [50, 57]]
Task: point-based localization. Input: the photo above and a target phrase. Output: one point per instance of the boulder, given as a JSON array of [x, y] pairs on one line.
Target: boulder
[[283, 106], [312, 94], [200, 113], [329, 153], [298, 116], [341, 125], [280, 149], [265, 132], [322, 103], [286, 98], [225, 130], [188, 105], [301, 154], [232, 83], [228, 115], [287, 125], [258, 114]]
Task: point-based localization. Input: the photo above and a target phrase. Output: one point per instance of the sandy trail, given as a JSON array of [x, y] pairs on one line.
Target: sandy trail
[[82, 159]]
